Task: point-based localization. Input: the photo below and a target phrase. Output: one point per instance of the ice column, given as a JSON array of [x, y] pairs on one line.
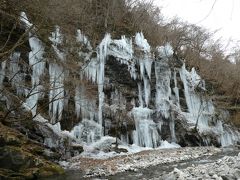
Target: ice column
[[56, 73], [163, 76], [176, 89], [102, 54], [145, 64], [37, 63]]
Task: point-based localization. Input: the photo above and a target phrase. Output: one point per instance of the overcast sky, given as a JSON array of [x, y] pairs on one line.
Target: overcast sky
[[225, 15]]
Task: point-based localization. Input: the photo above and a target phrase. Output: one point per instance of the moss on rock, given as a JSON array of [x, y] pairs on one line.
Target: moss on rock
[[22, 158]]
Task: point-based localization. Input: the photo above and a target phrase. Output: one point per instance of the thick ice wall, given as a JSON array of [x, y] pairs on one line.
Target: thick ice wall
[[146, 133], [87, 131], [200, 110], [163, 78], [144, 61], [84, 107], [95, 71]]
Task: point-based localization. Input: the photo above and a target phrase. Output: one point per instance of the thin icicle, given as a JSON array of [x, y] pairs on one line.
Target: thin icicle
[[56, 93], [2, 73]]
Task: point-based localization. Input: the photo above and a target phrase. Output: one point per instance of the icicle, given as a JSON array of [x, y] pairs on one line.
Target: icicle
[[2, 73], [148, 66], [24, 20], [36, 60], [83, 39], [172, 130], [77, 102], [140, 95], [102, 54], [145, 64], [147, 91], [56, 73], [56, 93], [142, 42], [163, 77], [57, 39], [15, 73], [176, 89]]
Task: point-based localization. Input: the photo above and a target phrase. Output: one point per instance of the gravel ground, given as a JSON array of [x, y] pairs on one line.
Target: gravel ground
[[226, 168], [133, 162]]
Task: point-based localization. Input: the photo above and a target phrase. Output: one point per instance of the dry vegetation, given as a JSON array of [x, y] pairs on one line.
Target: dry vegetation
[[96, 17]]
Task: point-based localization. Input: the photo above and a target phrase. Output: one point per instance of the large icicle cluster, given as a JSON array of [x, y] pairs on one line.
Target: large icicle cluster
[[159, 97], [167, 99]]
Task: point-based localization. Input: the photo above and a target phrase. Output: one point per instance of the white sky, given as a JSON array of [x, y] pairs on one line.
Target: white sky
[[225, 15]]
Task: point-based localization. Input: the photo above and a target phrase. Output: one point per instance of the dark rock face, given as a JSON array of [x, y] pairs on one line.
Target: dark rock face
[[23, 158], [186, 136], [118, 74]]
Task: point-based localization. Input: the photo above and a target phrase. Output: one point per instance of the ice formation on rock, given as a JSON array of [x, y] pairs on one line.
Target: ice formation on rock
[[146, 133], [163, 89], [158, 99], [87, 131], [15, 76], [145, 65], [200, 110], [37, 63], [167, 99], [56, 75], [56, 92]]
